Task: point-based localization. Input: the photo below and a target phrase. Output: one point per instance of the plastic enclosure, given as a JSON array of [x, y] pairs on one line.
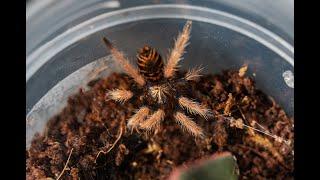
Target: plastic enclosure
[[64, 44]]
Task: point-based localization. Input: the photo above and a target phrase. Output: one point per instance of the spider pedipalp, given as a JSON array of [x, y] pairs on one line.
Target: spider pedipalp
[[153, 122], [138, 117]]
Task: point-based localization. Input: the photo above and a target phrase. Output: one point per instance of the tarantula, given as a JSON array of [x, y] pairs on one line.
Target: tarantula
[[163, 94]]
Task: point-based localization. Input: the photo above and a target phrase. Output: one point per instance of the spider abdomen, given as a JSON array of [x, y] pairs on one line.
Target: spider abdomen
[[150, 63]]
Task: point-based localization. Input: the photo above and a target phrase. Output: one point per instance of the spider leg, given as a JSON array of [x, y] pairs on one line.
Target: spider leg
[[119, 95], [153, 122], [193, 74], [122, 61], [186, 123], [194, 107], [140, 115], [177, 51]]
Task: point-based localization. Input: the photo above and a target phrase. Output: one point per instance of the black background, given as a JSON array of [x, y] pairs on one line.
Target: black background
[[12, 123], [306, 90]]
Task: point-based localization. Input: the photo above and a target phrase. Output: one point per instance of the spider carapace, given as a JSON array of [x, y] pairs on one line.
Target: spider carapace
[[160, 88]]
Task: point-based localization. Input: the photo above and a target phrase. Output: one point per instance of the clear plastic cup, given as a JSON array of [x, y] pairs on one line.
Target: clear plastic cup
[[64, 47]]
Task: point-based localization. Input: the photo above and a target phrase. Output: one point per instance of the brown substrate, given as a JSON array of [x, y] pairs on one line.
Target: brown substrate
[[90, 124]]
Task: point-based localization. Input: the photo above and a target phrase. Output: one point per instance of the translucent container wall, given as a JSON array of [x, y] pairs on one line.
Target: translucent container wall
[[64, 47]]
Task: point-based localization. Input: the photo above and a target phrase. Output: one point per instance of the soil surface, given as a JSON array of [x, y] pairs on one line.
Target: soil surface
[[89, 138]]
